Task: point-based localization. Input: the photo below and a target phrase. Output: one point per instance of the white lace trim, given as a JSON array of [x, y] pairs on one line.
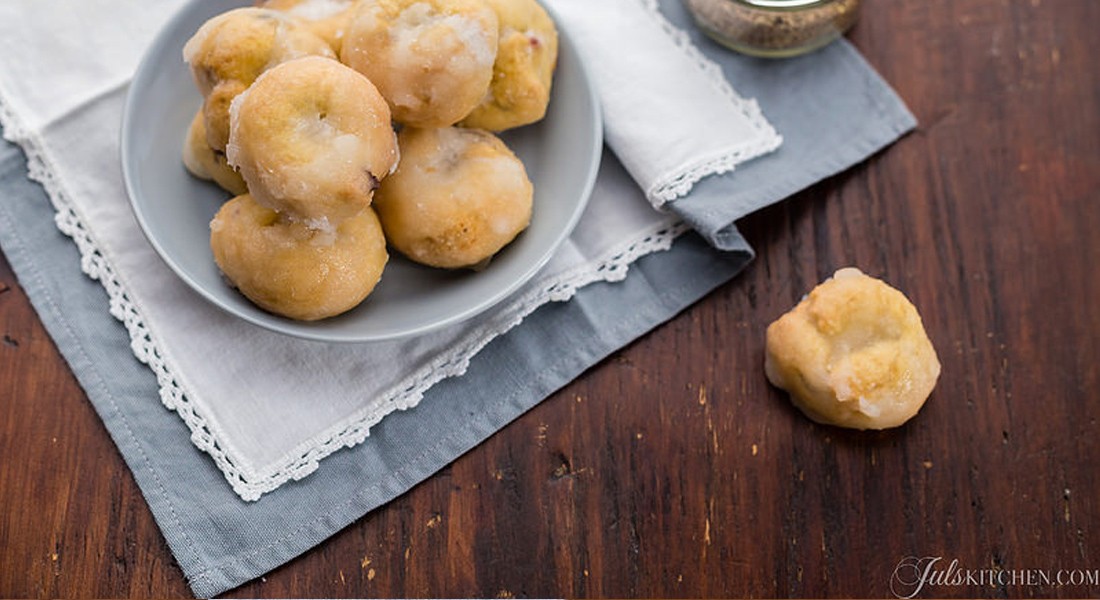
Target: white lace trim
[[679, 182], [613, 266], [96, 266]]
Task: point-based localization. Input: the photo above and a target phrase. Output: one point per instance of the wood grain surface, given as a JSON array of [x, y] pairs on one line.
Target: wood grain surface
[[673, 469]]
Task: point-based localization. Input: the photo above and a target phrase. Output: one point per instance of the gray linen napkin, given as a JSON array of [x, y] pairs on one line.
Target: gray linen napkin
[[221, 542], [831, 108]]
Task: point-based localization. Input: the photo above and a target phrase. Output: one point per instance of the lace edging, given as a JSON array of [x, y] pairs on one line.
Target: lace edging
[[354, 430], [97, 267], [612, 267], [680, 182]]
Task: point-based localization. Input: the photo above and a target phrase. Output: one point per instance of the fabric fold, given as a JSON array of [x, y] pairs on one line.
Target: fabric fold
[[832, 108], [670, 114], [249, 395], [311, 462]]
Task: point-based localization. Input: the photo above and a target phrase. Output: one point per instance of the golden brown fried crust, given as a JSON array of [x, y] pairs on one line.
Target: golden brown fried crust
[[293, 270], [523, 72], [206, 163], [458, 196], [328, 19], [431, 59], [312, 138], [232, 49], [853, 353]]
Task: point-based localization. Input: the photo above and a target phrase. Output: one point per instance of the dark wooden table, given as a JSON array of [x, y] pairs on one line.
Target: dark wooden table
[[673, 468]]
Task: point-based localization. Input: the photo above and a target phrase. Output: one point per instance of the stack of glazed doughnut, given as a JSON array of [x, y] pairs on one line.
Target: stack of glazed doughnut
[[345, 127]]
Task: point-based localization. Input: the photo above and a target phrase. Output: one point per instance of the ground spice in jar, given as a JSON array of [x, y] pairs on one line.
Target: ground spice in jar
[[774, 28]]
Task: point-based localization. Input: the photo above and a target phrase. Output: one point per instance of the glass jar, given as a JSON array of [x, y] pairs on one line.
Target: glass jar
[[774, 28]]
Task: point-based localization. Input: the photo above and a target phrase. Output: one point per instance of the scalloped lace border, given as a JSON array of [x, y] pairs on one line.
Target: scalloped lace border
[[96, 266], [454, 362], [613, 266], [680, 182]]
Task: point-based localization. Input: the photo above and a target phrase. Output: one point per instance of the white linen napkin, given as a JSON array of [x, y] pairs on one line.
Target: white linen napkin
[[669, 112], [267, 407]]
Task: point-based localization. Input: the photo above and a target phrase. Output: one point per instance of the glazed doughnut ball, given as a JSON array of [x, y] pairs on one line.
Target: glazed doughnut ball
[[312, 138], [207, 163], [232, 49], [853, 353], [458, 196], [431, 59], [326, 18], [290, 269], [527, 53]]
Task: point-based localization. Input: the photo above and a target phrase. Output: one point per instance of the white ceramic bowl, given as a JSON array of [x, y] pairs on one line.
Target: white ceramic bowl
[[561, 154]]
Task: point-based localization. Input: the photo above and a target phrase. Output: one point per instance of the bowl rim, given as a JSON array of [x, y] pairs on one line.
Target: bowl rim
[[147, 70]]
